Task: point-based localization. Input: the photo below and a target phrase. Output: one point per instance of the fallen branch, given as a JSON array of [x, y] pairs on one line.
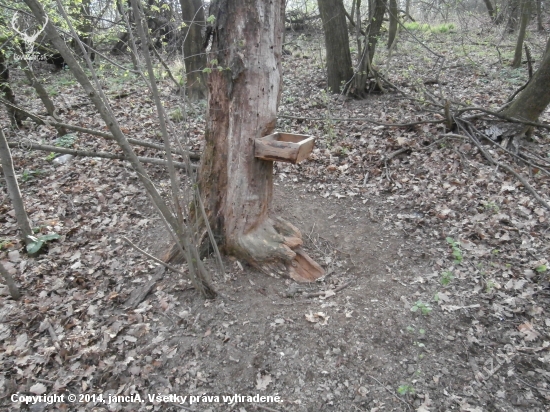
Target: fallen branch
[[143, 252], [138, 295], [526, 184], [363, 119], [108, 136], [10, 282], [501, 116], [391, 393], [336, 290], [86, 153]]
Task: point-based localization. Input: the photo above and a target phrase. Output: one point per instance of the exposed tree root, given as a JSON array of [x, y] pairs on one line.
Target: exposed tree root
[[273, 247]]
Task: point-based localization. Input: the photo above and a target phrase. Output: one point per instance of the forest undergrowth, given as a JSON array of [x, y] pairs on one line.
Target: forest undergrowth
[[437, 290]]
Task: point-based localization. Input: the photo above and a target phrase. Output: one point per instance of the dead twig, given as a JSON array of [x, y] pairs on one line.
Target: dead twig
[[149, 256], [138, 295], [10, 282], [364, 119], [86, 153], [265, 408], [526, 184], [393, 394], [37, 119], [335, 290], [500, 116]]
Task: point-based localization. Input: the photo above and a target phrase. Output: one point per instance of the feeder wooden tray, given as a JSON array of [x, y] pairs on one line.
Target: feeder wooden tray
[[284, 147]]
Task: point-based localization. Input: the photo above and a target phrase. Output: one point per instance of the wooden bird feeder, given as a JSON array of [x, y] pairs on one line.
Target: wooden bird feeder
[[284, 147]]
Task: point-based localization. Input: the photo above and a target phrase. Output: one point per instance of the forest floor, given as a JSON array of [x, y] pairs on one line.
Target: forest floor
[[436, 295]]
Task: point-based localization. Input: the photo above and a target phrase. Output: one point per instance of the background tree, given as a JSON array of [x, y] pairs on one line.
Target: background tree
[[540, 26], [15, 116], [534, 99], [525, 14], [514, 7], [393, 12], [490, 9], [338, 57], [192, 12]]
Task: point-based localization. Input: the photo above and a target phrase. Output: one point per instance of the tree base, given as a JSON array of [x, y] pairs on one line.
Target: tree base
[[273, 247]]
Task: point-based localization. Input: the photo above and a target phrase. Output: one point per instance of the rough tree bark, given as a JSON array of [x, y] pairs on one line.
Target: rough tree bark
[[534, 99], [490, 9], [192, 12], [393, 12], [525, 12], [15, 116], [42, 94], [13, 191], [236, 188], [339, 66], [375, 25], [81, 12], [540, 26], [513, 15]]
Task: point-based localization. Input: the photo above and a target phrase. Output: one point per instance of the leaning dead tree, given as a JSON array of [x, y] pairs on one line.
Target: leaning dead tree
[[237, 188]]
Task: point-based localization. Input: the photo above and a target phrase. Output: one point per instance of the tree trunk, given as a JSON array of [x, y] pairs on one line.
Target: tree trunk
[[393, 10], [513, 15], [194, 53], [534, 99], [375, 25], [490, 9], [525, 11], [84, 28], [15, 116], [540, 26], [43, 94], [237, 188], [13, 191], [339, 66]]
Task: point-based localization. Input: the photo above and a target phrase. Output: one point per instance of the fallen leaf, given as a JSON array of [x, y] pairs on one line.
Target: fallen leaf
[[262, 381], [38, 388], [530, 333]]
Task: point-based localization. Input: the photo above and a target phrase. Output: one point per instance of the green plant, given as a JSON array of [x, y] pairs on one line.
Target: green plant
[[37, 242], [405, 390], [491, 206], [50, 157], [177, 115], [425, 27], [424, 308], [541, 268], [446, 277], [66, 141], [30, 174], [457, 253], [489, 285], [4, 244]]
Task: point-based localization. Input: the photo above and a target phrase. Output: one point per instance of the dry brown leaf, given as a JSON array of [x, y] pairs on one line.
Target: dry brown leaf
[[530, 333]]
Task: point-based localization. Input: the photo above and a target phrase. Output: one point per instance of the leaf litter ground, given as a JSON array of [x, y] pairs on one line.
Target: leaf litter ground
[[436, 296]]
